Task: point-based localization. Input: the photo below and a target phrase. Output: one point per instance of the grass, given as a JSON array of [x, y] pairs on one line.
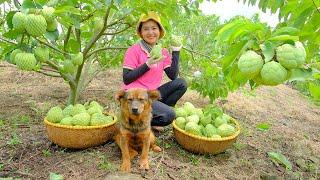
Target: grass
[[46, 153], [1, 122], [14, 140], [106, 165], [194, 159], [1, 166], [103, 162], [239, 146]]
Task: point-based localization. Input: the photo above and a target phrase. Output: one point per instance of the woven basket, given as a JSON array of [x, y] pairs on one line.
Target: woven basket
[[79, 137], [204, 145]]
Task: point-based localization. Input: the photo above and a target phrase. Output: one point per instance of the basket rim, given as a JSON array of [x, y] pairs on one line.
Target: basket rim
[[82, 127], [207, 138]]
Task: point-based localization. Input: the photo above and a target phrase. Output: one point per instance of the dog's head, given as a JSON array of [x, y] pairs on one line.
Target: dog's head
[[136, 101]]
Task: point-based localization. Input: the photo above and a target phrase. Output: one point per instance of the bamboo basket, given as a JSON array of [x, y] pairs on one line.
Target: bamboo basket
[[204, 145], [80, 137]]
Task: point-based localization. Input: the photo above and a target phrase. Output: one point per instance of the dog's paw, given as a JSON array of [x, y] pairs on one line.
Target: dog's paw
[[144, 164], [156, 149], [125, 167]]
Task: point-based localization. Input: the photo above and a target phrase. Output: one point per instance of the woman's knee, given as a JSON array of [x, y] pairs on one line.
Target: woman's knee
[[169, 116], [182, 83]]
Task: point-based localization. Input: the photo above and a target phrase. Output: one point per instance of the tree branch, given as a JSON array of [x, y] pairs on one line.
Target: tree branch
[[48, 68], [118, 32], [195, 52], [88, 16], [317, 8], [104, 48], [66, 77], [117, 21], [49, 74], [98, 35], [78, 36], [52, 47], [8, 41], [52, 64], [66, 39]]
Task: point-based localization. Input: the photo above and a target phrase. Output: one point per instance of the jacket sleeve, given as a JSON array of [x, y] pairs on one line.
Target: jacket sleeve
[[173, 70], [131, 75]]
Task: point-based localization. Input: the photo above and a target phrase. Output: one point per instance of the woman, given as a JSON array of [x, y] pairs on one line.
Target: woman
[[142, 71]]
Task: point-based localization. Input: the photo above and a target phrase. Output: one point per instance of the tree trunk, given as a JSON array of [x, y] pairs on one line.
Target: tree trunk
[[73, 95]]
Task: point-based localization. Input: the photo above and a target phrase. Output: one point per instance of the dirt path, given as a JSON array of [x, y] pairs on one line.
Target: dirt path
[[26, 152]]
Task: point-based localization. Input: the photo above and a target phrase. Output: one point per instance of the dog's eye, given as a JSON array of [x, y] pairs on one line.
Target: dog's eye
[[129, 99], [141, 99]]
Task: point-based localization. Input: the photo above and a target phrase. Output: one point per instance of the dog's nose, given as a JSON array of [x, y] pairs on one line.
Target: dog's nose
[[135, 111]]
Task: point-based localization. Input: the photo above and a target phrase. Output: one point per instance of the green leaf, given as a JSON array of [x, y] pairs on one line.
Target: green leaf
[[284, 38], [267, 49], [54, 176], [299, 21], [281, 159], [276, 5], [52, 36], [314, 90], [286, 31], [300, 74], [61, 10], [27, 4], [263, 126], [73, 46], [9, 18], [12, 34], [234, 52], [227, 30]]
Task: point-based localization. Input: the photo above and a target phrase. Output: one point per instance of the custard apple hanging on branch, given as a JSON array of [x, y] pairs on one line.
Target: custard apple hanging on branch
[[13, 55], [35, 25], [250, 63], [272, 73], [48, 13], [26, 61], [52, 26], [18, 21], [291, 56], [68, 67], [77, 59], [41, 54]]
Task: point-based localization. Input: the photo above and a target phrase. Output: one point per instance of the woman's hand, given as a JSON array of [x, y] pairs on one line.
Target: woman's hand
[[176, 48], [152, 61]]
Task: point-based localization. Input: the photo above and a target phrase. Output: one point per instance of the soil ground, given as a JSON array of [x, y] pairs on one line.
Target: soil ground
[[27, 153]]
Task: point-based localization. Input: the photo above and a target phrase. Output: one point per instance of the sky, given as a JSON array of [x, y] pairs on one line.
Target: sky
[[226, 9]]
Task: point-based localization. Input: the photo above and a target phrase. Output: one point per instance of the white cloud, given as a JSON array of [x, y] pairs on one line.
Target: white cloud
[[227, 9]]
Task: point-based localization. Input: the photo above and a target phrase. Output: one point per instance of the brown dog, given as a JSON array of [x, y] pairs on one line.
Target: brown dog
[[134, 127]]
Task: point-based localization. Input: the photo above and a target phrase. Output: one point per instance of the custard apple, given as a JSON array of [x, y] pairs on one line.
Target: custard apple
[[26, 61], [41, 54], [272, 73], [35, 25], [156, 52], [250, 63], [55, 114], [13, 55], [18, 21], [48, 13], [291, 56]]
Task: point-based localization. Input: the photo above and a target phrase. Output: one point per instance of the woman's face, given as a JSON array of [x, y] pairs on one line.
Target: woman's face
[[150, 32]]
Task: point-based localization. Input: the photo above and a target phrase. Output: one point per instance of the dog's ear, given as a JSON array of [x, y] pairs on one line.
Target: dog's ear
[[154, 94], [120, 94]]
